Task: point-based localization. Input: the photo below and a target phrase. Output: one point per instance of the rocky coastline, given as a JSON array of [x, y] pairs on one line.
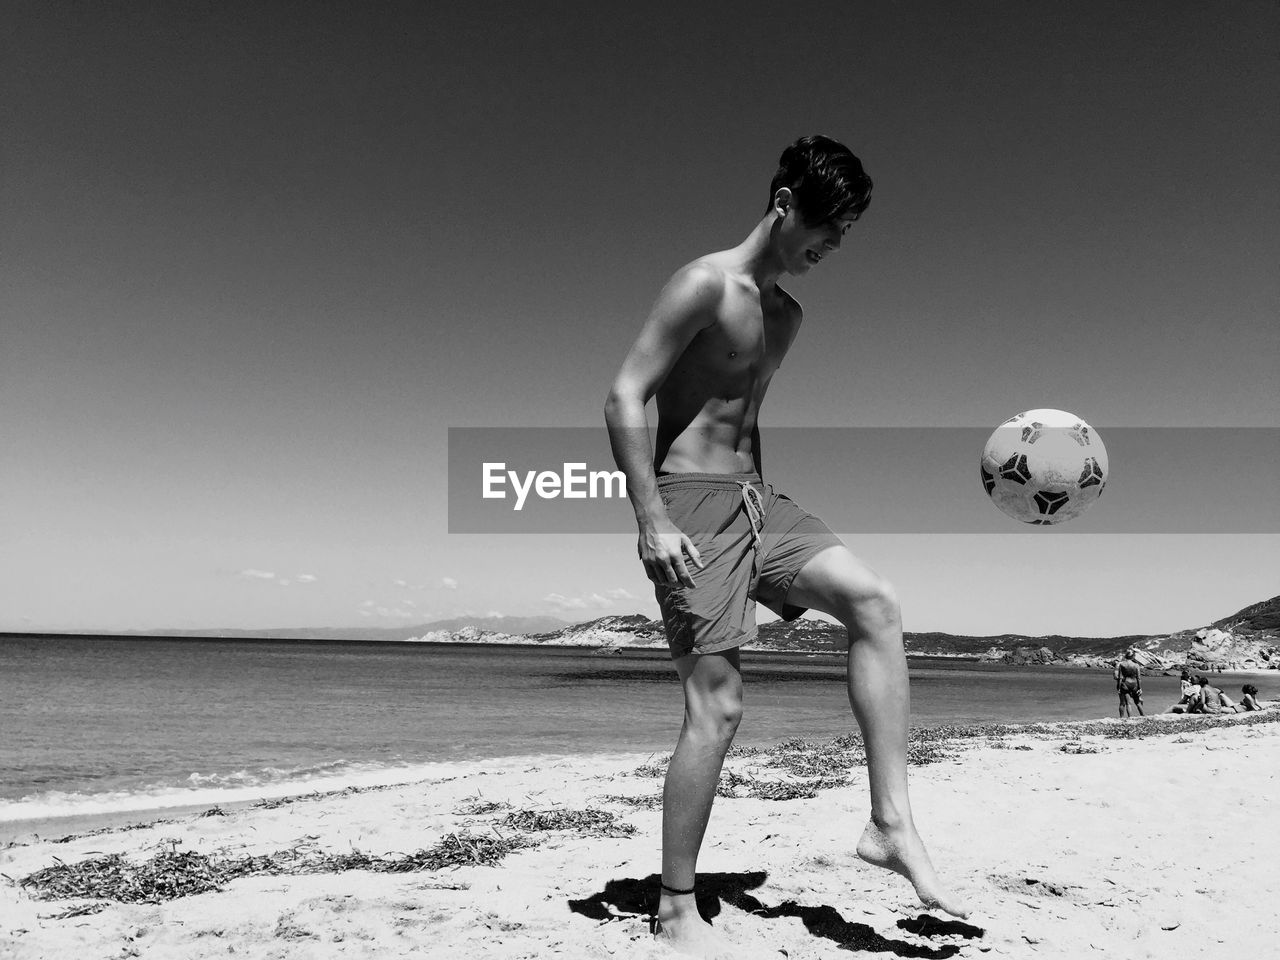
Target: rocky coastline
[[1246, 641]]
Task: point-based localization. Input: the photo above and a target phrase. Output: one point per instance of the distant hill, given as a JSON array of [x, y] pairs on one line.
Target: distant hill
[[525, 625], [1248, 639], [504, 625], [1258, 617], [819, 635], [605, 634], [1244, 641]]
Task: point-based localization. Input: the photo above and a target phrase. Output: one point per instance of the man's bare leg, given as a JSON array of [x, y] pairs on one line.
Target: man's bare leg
[[837, 583], [712, 708]]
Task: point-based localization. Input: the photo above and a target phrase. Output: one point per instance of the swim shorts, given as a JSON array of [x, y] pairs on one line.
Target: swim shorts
[[753, 541]]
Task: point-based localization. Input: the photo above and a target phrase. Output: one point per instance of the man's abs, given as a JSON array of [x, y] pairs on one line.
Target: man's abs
[[704, 447]]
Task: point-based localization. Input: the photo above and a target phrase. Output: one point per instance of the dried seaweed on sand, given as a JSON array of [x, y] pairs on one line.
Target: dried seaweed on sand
[[645, 801], [729, 783], [655, 769], [781, 790], [599, 823], [478, 806], [171, 874]]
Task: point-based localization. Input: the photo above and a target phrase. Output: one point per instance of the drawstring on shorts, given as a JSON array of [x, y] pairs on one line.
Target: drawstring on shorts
[[754, 507]]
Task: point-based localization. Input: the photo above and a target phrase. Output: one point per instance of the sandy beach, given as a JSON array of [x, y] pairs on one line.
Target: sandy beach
[[1141, 839]]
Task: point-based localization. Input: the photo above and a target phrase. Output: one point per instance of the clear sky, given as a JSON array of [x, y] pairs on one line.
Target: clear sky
[[258, 258]]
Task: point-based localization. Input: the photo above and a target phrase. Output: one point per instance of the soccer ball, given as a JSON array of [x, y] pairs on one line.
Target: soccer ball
[[1044, 466]]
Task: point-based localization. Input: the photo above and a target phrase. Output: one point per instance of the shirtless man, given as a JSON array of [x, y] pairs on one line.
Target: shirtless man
[[1128, 674], [714, 537]]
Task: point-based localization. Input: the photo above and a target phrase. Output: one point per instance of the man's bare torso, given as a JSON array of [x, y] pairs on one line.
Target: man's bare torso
[[709, 403]]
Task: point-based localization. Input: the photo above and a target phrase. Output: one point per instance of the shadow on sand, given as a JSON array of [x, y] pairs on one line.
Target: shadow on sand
[[631, 897]]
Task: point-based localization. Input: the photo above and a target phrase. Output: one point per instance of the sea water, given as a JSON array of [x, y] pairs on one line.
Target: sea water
[[113, 724]]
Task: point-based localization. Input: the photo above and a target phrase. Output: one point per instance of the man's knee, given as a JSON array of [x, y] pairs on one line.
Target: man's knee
[[870, 608], [715, 716], [712, 693]]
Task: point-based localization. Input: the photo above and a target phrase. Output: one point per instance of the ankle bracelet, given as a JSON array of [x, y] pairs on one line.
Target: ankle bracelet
[[674, 892]]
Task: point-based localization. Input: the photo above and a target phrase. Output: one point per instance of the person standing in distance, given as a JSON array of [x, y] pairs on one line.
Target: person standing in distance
[[1128, 677]]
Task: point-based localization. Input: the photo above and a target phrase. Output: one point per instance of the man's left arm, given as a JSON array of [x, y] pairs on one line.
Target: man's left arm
[[755, 449]]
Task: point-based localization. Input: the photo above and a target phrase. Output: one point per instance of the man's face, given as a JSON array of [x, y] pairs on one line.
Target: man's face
[[803, 246]]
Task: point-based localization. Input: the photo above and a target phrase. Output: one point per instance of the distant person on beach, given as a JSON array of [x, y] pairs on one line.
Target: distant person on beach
[[1208, 700], [1190, 691], [1197, 698], [1128, 675], [1215, 697], [715, 537], [1249, 698]]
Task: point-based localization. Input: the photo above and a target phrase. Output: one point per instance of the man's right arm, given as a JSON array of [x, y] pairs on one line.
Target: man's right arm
[[686, 305]]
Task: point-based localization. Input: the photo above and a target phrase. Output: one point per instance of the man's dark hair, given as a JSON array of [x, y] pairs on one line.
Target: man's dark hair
[[1250, 689], [826, 179]]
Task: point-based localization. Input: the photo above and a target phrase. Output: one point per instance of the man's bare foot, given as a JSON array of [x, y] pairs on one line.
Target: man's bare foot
[[901, 850], [682, 928]]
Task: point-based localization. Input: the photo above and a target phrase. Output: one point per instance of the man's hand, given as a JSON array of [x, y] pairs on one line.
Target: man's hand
[[662, 549]]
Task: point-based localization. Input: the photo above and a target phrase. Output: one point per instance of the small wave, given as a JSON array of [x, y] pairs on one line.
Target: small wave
[[251, 778], [213, 789]]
